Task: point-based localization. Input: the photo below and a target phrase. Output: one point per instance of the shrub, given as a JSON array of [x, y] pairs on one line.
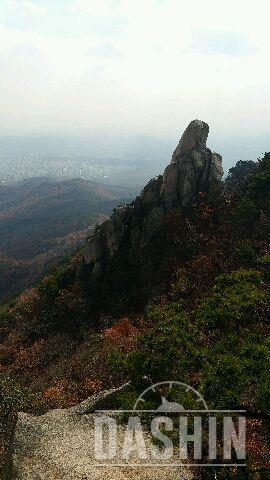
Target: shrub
[[49, 287], [246, 254], [265, 260], [238, 377], [121, 336], [264, 264], [204, 348], [246, 213], [238, 300], [166, 350]]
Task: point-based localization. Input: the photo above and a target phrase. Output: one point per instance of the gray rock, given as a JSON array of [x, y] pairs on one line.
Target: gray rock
[[60, 445], [193, 168], [194, 137], [217, 169], [96, 249]]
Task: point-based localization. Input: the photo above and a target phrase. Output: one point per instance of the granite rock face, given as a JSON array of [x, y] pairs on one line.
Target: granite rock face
[[193, 169], [193, 138]]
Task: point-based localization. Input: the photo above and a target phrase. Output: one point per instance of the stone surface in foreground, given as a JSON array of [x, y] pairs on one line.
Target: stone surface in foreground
[[60, 445]]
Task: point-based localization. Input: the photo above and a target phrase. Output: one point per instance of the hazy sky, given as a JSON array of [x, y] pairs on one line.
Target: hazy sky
[[137, 66]]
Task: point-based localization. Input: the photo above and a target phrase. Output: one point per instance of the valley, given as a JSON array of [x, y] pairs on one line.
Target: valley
[[42, 220]]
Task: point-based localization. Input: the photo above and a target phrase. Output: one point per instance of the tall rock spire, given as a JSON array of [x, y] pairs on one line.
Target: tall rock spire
[[193, 169]]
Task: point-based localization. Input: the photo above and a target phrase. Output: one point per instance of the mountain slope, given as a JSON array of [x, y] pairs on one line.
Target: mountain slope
[[43, 219]]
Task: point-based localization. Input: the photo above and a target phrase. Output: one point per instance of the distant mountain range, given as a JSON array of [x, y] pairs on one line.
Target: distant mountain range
[[42, 219]]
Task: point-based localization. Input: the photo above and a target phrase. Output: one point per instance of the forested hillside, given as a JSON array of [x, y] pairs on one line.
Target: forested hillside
[[42, 220]]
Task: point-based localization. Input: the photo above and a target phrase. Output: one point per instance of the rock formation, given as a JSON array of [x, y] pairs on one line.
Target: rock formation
[[60, 445], [193, 169]]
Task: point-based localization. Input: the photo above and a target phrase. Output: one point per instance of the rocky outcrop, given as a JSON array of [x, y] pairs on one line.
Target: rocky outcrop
[[60, 445], [193, 169]]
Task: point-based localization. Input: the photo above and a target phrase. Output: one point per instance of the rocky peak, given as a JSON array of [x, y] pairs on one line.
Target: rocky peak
[[193, 169], [194, 137]]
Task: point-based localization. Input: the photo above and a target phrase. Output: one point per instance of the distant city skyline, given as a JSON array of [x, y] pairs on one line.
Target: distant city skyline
[[131, 160]]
